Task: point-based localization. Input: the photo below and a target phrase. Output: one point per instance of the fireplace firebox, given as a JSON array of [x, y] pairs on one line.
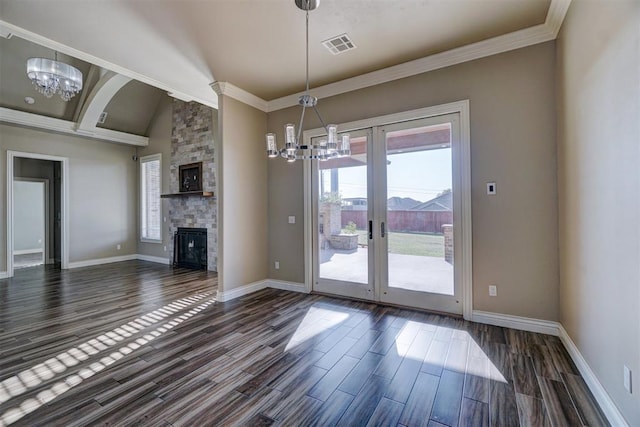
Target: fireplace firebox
[[190, 248]]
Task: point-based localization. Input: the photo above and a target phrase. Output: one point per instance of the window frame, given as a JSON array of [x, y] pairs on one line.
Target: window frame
[[143, 160]]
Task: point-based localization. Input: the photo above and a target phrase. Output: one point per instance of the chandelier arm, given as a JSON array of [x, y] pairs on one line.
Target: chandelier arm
[[320, 118]]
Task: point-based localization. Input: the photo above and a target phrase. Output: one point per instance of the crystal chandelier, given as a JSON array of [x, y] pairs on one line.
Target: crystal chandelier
[[329, 148], [50, 76]]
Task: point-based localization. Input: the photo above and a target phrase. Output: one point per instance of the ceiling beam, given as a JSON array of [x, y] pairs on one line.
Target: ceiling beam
[[99, 98], [51, 124], [91, 76], [91, 59]]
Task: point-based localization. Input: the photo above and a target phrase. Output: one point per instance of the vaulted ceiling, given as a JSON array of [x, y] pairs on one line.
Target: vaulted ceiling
[[257, 46]]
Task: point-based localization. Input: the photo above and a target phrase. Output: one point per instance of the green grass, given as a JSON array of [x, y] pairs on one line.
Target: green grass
[[411, 243]]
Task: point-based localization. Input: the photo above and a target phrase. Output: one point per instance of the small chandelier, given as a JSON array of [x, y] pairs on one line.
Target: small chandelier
[[329, 148], [50, 76]]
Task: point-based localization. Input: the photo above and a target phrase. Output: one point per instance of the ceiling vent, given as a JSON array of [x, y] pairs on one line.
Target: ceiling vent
[[102, 118], [339, 44]]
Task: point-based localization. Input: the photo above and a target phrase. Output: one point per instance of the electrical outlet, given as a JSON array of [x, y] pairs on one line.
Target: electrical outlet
[[493, 291], [118, 247], [277, 265], [292, 219], [627, 379]]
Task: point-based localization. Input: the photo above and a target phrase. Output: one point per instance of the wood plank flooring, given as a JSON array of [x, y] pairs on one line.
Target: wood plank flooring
[[137, 343]]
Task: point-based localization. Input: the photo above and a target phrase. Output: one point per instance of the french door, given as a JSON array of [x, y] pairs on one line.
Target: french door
[[386, 221]]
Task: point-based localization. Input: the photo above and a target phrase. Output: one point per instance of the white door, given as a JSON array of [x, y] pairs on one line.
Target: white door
[[343, 250], [387, 220], [418, 208]]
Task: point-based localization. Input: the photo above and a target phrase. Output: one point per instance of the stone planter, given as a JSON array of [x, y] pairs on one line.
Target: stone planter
[[344, 242]]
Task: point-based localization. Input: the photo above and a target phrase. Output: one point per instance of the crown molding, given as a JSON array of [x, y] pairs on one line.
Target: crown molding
[[518, 39], [500, 44], [555, 17], [232, 91], [8, 28], [37, 121], [4, 31]]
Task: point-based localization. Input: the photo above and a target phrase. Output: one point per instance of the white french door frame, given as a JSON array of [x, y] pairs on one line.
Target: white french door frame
[[464, 159], [64, 205], [385, 292], [332, 286]]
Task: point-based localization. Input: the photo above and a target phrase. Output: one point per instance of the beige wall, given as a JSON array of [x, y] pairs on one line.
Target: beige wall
[[102, 197], [512, 108], [242, 190], [159, 143], [599, 190]]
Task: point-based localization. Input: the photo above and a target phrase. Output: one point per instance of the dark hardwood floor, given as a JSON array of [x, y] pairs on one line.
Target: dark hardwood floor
[[137, 343]]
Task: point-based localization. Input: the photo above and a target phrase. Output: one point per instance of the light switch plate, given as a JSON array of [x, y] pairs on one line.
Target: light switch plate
[[491, 188], [627, 379], [493, 291], [292, 219]]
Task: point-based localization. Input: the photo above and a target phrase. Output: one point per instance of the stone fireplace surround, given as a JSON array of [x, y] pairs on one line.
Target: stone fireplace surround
[[192, 141]]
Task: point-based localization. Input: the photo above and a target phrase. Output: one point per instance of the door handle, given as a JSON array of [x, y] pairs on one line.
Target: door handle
[[370, 230], [382, 229]]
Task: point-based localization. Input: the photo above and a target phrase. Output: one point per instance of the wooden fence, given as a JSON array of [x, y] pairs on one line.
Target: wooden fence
[[403, 221]]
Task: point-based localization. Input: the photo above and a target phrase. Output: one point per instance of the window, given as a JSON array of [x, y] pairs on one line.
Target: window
[[150, 207]]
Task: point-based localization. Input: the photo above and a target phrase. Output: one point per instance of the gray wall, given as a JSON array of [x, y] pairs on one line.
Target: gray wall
[[242, 189], [102, 195], [29, 218], [512, 101], [599, 190]]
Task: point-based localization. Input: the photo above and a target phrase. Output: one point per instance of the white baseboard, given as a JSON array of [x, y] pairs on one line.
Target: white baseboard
[[604, 400], [28, 251], [90, 262], [241, 291], [150, 258], [3, 275], [287, 286], [555, 328], [259, 285], [517, 322]]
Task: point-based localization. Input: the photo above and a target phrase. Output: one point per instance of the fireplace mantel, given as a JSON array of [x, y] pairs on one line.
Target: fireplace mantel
[[188, 194]]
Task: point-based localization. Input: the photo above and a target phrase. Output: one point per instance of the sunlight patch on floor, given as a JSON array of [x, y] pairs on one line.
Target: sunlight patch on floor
[[316, 321], [32, 377], [407, 345]]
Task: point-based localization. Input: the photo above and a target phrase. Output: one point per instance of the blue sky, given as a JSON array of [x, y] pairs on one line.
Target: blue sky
[[420, 175]]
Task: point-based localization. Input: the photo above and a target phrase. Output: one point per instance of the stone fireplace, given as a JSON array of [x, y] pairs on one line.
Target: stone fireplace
[[192, 142]]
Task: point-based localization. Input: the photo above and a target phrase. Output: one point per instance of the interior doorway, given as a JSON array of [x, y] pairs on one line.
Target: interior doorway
[[32, 232], [37, 205]]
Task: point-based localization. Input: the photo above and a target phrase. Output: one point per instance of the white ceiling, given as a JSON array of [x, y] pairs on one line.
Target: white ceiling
[[258, 45]]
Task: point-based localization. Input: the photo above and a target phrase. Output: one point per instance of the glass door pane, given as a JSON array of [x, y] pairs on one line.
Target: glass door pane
[[343, 213], [417, 214], [420, 209]]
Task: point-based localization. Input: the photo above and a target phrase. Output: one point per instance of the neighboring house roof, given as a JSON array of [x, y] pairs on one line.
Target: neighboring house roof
[[401, 203], [440, 203]]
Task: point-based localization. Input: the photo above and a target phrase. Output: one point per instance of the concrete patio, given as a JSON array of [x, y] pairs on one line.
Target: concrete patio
[[419, 273]]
